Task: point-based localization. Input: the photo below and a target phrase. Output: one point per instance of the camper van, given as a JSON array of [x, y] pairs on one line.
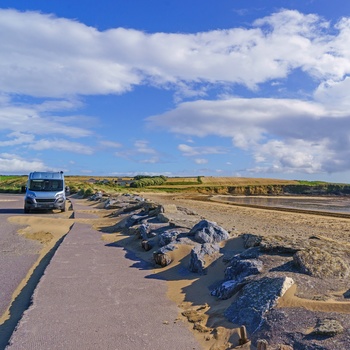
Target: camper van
[[45, 190]]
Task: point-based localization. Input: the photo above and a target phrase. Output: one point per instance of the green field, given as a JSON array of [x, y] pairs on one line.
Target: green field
[[86, 186]]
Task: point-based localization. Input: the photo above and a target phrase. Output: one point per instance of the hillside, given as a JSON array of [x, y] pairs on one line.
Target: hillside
[[205, 185]]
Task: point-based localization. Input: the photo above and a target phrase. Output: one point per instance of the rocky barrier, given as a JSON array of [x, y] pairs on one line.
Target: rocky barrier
[[256, 279]]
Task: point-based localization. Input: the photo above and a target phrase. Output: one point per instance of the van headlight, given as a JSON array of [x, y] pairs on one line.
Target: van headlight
[[30, 197], [59, 198]]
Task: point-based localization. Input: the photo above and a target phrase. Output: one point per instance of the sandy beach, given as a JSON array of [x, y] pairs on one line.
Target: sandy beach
[[308, 298]]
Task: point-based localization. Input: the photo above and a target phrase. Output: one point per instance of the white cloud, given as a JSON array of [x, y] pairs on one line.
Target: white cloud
[[284, 135], [14, 164], [39, 59], [28, 119], [201, 161], [139, 152], [17, 139], [61, 145], [195, 151], [141, 146], [110, 144]]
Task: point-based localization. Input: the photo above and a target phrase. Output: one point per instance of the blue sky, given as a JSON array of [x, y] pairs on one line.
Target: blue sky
[[179, 88]]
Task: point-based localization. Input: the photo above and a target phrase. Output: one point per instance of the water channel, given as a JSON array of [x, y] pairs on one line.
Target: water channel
[[333, 204]]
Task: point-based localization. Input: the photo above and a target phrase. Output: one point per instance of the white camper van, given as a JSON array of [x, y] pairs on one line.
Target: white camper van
[[45, 190]]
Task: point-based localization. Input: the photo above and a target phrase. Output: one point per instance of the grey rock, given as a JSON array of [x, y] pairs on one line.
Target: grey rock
[[255, 300], [241, 268], [198, 254], [251, 240], [144, 231], [235, 276], [227, 289], [318, 263], [135, 219], [208, 232], [168, 237], [328, 327]]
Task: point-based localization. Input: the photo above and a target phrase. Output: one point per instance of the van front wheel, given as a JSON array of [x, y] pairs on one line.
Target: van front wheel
[[26, 210]]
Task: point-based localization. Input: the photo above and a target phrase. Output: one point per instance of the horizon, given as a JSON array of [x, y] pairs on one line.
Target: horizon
[[225, 89]]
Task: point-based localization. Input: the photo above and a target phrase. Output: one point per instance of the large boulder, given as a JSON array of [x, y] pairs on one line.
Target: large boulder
[[256, 299], [328, 327], [319, 263], [238, 268], [199, 254], [208, 232], [235, 275]]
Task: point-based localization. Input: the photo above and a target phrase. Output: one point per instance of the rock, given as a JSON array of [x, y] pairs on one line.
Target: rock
[[162, 257], [135, 219], [250, 253], [208, 232], [198, 255], [241, 268], [168, 208], [161, 217], [168, 237], [256, 299], [251, 240], [282, 244], [328, 327], [284, 347], [318, 263], [347, 294], [235, 275], [227, 289], [146, 245], [96, 196], [144, 231]]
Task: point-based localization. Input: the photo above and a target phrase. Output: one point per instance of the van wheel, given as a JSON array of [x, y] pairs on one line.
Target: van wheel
[[63, 209], [26, 210]]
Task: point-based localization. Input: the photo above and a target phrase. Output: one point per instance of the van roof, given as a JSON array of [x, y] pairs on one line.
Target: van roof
[[46, 175]]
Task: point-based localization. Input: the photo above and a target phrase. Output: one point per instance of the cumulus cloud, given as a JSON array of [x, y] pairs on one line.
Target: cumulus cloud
[[35, 119], [12, 163], [39, 59], [284, 135]]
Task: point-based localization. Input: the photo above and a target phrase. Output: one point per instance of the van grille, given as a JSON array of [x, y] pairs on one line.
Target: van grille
[[45, 200]]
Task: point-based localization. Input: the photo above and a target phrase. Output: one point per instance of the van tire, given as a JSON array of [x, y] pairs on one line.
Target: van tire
[[26, 210]]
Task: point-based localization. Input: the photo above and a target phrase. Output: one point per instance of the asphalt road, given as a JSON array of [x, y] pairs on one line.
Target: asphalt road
[[94, 295], [17, 254]]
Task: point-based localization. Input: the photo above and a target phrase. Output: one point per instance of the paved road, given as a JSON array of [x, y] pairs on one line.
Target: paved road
[[17, 254], [93, 297]]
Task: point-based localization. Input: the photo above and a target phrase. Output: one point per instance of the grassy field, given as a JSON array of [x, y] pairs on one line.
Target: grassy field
[[87, 185]]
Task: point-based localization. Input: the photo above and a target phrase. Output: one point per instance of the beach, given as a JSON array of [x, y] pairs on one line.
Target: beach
[[307, 301]]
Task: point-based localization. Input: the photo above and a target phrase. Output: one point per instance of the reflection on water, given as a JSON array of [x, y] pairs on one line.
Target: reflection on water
[[329, 204]]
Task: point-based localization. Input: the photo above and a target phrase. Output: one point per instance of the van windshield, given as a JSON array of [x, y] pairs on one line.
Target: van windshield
[[46, 185]]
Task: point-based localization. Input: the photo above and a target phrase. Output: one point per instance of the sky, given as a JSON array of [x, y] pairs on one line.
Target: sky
[[250, 88]]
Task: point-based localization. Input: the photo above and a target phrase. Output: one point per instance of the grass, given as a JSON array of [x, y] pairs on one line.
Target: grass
[[199, 184]]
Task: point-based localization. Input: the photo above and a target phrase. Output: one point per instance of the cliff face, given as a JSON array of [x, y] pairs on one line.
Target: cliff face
[[275, 190]]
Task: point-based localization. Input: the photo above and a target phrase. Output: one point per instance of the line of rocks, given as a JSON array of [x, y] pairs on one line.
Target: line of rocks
[[256, 287]]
